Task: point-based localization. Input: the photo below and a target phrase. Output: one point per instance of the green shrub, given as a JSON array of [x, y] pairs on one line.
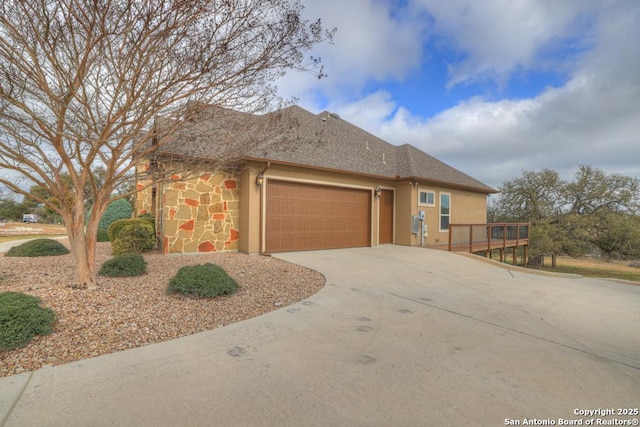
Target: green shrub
[[124, 265], [115, 228], [22, 318], [103, 236], [135, 237], [204, 280], [150, 219], [39, 247], [118, 209]]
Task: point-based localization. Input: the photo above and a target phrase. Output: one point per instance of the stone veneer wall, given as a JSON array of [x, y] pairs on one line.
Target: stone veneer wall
[[201, 214], [143, 200]]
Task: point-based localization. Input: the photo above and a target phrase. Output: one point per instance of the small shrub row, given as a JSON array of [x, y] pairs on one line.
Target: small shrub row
[[204, 280], [21, 319], [38, 247]]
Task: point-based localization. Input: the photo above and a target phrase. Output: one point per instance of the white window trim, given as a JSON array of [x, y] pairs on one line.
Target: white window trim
[[425, 190], [440, 215]]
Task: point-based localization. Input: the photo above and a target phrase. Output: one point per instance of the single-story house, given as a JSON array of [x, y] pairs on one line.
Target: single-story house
[[318, 182]]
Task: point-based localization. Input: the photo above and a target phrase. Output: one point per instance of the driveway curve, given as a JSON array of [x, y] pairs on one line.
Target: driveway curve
[[398, 336]]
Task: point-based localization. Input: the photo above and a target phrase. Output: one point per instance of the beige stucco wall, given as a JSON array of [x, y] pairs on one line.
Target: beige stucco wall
[[405, 202], [225, 211], [467, 207], [250, 210]]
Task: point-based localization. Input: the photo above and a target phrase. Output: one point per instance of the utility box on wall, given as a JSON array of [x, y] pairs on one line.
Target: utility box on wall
[[415, 224], [419, 227]]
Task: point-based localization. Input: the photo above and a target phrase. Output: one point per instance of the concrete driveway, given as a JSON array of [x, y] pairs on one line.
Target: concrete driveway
[[399, 336]]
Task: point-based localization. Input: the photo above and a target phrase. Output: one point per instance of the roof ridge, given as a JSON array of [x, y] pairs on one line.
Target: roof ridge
[[325, 140]]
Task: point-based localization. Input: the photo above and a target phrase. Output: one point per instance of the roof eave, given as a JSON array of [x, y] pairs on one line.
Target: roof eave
[[476, 189], [318, 168]]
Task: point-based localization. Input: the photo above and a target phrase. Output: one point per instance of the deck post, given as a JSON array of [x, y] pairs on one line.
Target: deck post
[[504, 236]]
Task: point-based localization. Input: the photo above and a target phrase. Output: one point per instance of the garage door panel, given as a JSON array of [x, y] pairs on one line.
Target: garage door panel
[[307, 217]]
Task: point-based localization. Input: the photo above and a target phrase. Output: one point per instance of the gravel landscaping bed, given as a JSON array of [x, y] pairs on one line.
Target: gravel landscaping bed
[[130, 312]]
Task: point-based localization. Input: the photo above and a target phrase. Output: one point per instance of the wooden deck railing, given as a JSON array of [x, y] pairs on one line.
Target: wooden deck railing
[[487, 237]]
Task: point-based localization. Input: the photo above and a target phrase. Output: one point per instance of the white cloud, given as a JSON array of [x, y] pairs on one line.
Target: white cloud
[[372, 43], [499, 37], [594, 118]]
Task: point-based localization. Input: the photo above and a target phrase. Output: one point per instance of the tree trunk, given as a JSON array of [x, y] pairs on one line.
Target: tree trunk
[[83, 242], [83, 251]]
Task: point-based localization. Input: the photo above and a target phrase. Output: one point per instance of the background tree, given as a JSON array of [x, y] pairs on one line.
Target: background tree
[[10, 210], [533, 196], [595, 212], [592, 190], [82, 82]]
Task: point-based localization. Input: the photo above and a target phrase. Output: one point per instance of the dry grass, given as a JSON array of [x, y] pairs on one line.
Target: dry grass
[[18, 230], [591, 267]]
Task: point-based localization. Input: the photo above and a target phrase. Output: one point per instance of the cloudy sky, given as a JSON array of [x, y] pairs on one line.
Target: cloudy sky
[[491, 87]]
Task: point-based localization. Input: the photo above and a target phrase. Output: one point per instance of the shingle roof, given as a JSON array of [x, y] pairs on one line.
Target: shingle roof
[[326, 141]]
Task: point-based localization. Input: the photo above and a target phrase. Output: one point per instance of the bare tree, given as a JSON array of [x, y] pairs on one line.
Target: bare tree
[[82, 82]]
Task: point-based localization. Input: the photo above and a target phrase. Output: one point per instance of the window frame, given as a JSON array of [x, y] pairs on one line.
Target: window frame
[[441, 215], [427, 191]]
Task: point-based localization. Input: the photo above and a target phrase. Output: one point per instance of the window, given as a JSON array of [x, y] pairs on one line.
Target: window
[[445, 211], [426, 198]]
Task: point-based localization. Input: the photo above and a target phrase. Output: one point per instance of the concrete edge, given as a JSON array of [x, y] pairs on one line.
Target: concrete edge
[[624, 281], [519, 269], [11, 390], [543, 273]]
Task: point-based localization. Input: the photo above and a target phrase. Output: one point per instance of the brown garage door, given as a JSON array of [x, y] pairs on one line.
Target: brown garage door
[[307, 217]]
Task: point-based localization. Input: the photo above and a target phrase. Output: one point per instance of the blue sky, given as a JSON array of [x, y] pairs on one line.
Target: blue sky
[[492, 87]]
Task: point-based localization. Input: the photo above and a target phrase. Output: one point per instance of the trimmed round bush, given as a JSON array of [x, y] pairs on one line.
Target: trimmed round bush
[[39, 247], [115, 228], [203, 280], [150, 218], [135, 237], [124, 265], [21, 319]]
